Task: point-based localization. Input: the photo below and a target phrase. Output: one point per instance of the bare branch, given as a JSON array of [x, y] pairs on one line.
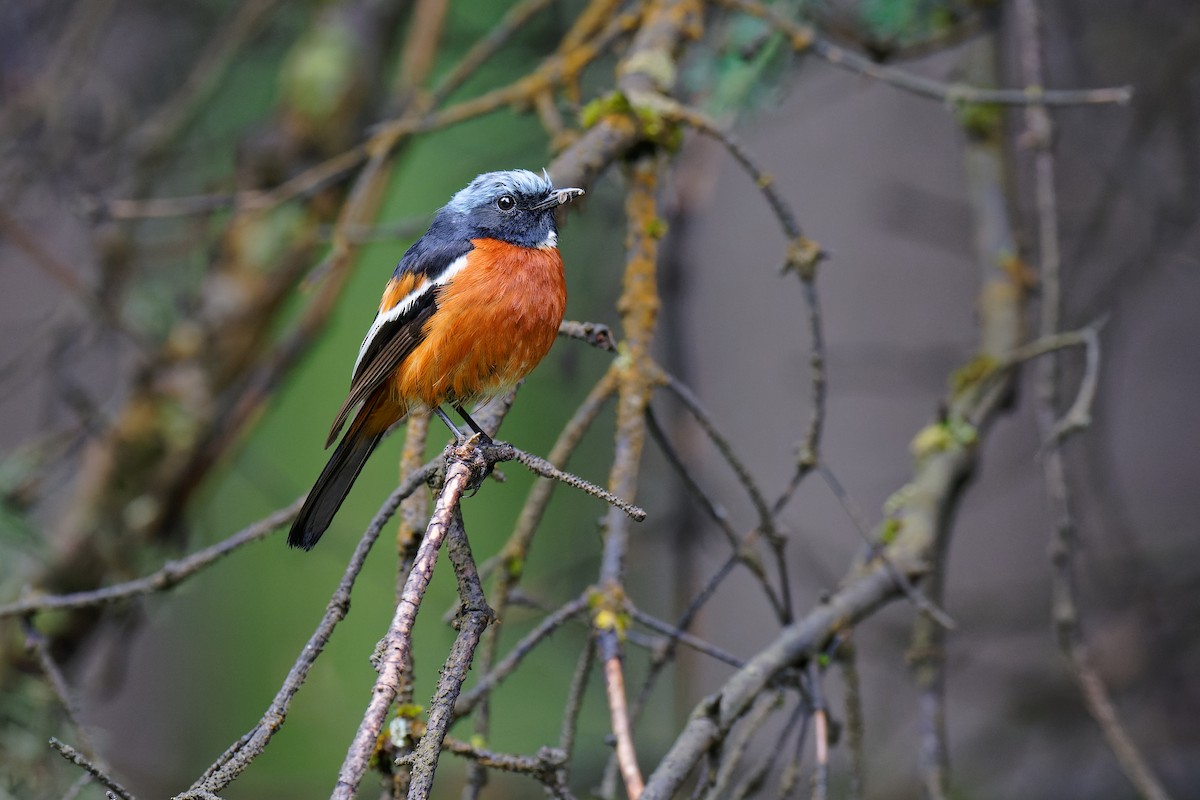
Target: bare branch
[[804, 38], [36, 643], [541, 466], [171, 574], [396, 647], [474, 617], [115, 790], [614, 683], [467, 702], [848, 505], [1039, 135], [594, 333], [238, 756]]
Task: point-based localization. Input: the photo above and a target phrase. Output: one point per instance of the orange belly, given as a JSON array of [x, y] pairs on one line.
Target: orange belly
[[495, 321]]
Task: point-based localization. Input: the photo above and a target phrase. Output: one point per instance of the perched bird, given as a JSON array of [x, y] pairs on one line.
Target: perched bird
[[472, 307]]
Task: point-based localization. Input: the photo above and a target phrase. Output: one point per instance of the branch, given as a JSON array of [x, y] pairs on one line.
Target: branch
[[847, 656], [115, 790], [238, 756], [821, 724], [540, 466], [734, 748], [1040, 136], [396, 646], [37, 644], [614, 685], [712, 719], [474, 617], [675, 634], [171, 574], [803, 256], [848, 505], [547, 766], [803, 38], [467, 702]]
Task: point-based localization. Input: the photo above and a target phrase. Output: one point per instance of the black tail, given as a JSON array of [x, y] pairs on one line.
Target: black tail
[[332, 487]]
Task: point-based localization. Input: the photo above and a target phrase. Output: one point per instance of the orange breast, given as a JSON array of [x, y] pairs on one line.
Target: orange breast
[[495, 321]]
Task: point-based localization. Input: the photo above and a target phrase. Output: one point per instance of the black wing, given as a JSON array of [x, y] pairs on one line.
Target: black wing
[[432, 261]]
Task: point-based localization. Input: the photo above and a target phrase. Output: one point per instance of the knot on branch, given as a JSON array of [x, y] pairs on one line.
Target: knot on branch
[[597, 334], [803, 256]]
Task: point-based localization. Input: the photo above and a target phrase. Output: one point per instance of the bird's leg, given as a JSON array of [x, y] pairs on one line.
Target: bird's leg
[[474, 425], [483, 438], [459, 436]]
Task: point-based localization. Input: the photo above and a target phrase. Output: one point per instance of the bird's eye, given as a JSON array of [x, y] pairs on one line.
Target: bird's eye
[[506, 202]]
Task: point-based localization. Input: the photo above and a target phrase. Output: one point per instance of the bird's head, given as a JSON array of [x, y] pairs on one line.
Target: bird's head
[[515, 206]]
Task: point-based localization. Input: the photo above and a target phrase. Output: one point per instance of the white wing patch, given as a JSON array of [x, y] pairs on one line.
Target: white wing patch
[[551, 240], [405, 305]]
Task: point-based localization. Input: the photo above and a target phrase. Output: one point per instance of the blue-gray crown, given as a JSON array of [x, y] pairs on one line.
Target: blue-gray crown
[[490, 184]]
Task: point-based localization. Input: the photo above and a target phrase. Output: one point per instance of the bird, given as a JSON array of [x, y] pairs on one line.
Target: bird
[[470, 310]]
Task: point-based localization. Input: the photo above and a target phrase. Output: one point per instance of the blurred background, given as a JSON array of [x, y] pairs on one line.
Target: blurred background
[[174, 343]]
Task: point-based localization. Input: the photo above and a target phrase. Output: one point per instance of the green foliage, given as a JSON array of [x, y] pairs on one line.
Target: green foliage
[[901, 23], [745, 67]]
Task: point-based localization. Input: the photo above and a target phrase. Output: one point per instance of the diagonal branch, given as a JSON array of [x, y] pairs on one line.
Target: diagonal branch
[[396, 646], [169, 575], [239, 755]]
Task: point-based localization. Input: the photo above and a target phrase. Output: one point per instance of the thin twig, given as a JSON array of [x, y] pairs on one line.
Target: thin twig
[[1040, 136], [77, 758], [575, 695], [692, 403], [683, 637], [485, 47], [158, 131], [737, 744], [802, 257], [171, 574], [1079, 415], [755, 779], [636, 379], [467, 702], [541, 466], [81, 783], [789, 782], [37, 644], [239, 755], [742, 545], [804, 38], [35, 250], [848, 505], [515, 553], [664, 655]]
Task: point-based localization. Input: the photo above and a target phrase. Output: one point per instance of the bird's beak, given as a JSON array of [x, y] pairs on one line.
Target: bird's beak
[[557, 197]]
